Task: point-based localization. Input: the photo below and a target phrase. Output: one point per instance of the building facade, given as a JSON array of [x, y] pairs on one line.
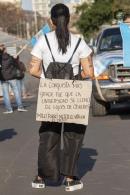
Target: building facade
[[72, 4], [16, 2], [41, 6]]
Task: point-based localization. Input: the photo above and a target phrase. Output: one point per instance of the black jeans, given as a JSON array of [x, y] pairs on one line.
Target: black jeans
[[52, 161]]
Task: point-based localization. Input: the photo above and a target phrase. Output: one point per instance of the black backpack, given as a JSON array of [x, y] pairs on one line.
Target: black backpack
[[8, 70], [61, 70]]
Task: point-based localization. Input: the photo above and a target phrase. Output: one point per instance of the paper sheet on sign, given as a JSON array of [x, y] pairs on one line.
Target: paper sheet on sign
[[64, 101]]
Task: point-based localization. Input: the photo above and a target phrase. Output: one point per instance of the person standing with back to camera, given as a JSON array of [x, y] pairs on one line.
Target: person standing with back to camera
[[62, 43]]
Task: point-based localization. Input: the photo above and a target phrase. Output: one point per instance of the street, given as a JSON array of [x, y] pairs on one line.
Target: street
[[85, 38], [104, 162]]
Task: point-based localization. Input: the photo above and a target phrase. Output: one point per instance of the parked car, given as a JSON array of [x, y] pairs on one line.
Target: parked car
[[112, 82]]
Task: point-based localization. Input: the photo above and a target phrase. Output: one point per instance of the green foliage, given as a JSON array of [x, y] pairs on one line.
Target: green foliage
[[99, 13]]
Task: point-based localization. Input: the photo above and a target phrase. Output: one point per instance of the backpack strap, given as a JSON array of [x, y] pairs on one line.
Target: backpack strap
[[49, 48], [74, 50], [43, 69], [79, 40]]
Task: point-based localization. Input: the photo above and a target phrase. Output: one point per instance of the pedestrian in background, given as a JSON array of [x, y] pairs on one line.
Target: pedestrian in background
[[8, 78], [21, 76], [51, 164]]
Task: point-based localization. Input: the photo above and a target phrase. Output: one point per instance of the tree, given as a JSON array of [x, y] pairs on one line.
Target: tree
[[16, 21], [91, 17], [10, 17], [121, 5]]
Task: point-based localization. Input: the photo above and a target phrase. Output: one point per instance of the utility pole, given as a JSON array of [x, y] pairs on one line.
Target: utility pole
[[28, 30], [35, 15]]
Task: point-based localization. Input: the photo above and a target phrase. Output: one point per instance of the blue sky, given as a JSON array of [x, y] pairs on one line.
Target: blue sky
[[27, 4]]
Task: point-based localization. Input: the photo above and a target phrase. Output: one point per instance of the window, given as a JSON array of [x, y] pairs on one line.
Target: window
[[111, 40]]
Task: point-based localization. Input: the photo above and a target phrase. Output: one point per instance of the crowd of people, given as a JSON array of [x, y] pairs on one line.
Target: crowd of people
[[12, 72]]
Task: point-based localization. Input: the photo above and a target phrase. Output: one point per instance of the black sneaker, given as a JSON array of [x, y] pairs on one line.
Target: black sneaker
[[73, 185], [38, 183]]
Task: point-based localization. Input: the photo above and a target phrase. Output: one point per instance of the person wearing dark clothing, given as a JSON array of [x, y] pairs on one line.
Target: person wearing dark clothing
[[8, 78], [52, 162]]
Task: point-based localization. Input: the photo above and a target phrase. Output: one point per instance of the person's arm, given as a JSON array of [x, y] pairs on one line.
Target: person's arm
[[87, 67], [35, 67]]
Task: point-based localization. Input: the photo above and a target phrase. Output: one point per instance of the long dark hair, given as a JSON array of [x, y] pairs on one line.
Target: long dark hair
[[60, 17]]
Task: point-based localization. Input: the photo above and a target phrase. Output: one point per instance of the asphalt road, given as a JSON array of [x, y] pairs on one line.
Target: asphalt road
[[104, 164]]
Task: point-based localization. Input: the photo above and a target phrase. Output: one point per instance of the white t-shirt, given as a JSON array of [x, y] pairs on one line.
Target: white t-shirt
[[42, 51]]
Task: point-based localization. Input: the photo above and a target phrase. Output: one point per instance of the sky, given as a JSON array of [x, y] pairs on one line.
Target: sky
[[27, 4]]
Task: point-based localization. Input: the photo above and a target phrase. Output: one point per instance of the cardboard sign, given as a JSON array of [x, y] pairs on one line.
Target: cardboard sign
[[64, 101]]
